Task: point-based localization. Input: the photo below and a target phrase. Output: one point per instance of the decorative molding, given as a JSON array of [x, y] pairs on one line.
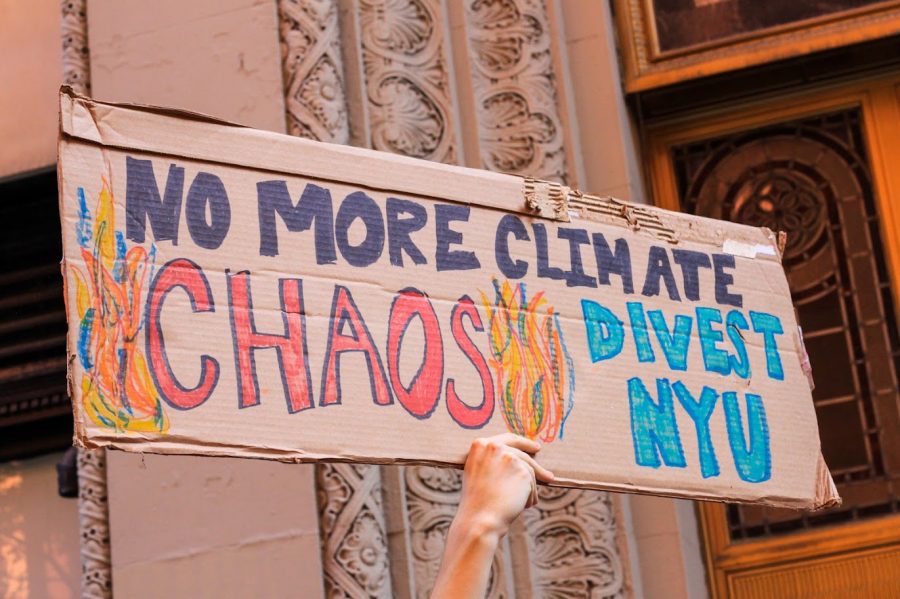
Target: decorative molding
[[351, 518], [313, 70], [407, 81], [573, 545], [409, 109], [410, 105], [514, 82], [354, 541], [75, 52], [572, 533], [432, 498], [93, 504], [93, 518]]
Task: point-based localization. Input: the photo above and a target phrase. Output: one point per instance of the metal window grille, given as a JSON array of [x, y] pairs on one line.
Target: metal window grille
[[811, 178], [35, 414]]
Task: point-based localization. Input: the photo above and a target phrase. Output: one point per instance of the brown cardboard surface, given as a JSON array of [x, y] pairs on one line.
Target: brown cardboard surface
[[235, 292]]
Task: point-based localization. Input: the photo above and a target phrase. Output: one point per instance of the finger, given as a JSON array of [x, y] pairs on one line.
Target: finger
[[533, 497], [515, 462], [540, 472], [518, 442]]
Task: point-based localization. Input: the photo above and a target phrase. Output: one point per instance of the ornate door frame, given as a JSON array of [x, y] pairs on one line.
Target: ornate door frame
[[811, 552]]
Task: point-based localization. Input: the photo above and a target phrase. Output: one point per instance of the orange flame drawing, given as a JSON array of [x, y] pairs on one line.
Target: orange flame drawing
[[535, 374], [117, 389]]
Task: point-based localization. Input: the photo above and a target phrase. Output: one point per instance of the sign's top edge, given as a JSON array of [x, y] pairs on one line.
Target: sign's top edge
[[192, 135], [67, 91]]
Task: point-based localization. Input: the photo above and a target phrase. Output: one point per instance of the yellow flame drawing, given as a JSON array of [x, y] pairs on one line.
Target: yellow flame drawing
[[117, 389], [534, 372]]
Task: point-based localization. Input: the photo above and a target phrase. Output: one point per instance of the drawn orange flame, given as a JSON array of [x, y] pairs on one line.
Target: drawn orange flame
[[535, 374], [117, 390]]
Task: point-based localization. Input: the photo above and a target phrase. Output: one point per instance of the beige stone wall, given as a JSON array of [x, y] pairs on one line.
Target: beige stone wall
[[608, 157], [665, 548], [218, 57], [38, 533], [184, 526], [30, 74]]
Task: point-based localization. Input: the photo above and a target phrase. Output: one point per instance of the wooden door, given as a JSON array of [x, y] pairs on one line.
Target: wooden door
[[824, 166]]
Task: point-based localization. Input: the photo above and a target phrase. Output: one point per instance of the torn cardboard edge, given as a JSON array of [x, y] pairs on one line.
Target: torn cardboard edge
[[150, 129], [826, 492]]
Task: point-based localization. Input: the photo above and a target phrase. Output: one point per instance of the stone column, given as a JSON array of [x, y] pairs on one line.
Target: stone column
[[515, 57], [93, 507], [482, 83]]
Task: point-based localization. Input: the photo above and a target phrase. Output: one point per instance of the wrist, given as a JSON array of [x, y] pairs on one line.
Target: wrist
[[479, 524]]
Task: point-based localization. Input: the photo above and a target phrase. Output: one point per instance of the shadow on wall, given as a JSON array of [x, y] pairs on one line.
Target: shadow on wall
[[38, 533]]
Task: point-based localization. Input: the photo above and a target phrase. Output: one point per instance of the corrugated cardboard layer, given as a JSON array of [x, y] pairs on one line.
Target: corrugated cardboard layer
[[376, 320]]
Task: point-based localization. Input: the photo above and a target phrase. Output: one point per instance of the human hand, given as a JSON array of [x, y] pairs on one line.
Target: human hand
[[499, 482]]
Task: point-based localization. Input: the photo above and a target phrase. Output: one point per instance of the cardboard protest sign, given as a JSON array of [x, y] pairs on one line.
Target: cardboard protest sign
[[233, 292]]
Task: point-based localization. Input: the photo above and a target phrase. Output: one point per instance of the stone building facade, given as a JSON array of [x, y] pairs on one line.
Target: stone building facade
[[533, 87]]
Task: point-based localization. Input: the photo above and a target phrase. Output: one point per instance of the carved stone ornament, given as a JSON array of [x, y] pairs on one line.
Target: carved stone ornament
[[93, 518], [409, 102], [407, 81], [93, 506], [351, 517], [313, 70], [572, 533], [351, 521], [75, 53], [515, 88], [432, 498], [573, 545]]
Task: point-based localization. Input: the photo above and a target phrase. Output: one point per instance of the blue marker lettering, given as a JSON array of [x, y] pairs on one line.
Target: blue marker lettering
[[769, 326], [639, 330], [700, 411], [734, 324], [715, 359], [605, 333], [753, 463], [654, 430], [675, 345]]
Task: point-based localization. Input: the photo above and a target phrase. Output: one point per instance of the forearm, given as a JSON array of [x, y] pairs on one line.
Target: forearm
[[498, 483], [468, 555]]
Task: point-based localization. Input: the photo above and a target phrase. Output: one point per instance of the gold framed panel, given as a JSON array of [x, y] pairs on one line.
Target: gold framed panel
[[647, 66], [861, 558]]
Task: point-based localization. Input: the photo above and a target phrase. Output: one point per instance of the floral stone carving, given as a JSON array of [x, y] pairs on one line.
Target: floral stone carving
[[351, 520], [515, 88], [406, 78], [313, 70]]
